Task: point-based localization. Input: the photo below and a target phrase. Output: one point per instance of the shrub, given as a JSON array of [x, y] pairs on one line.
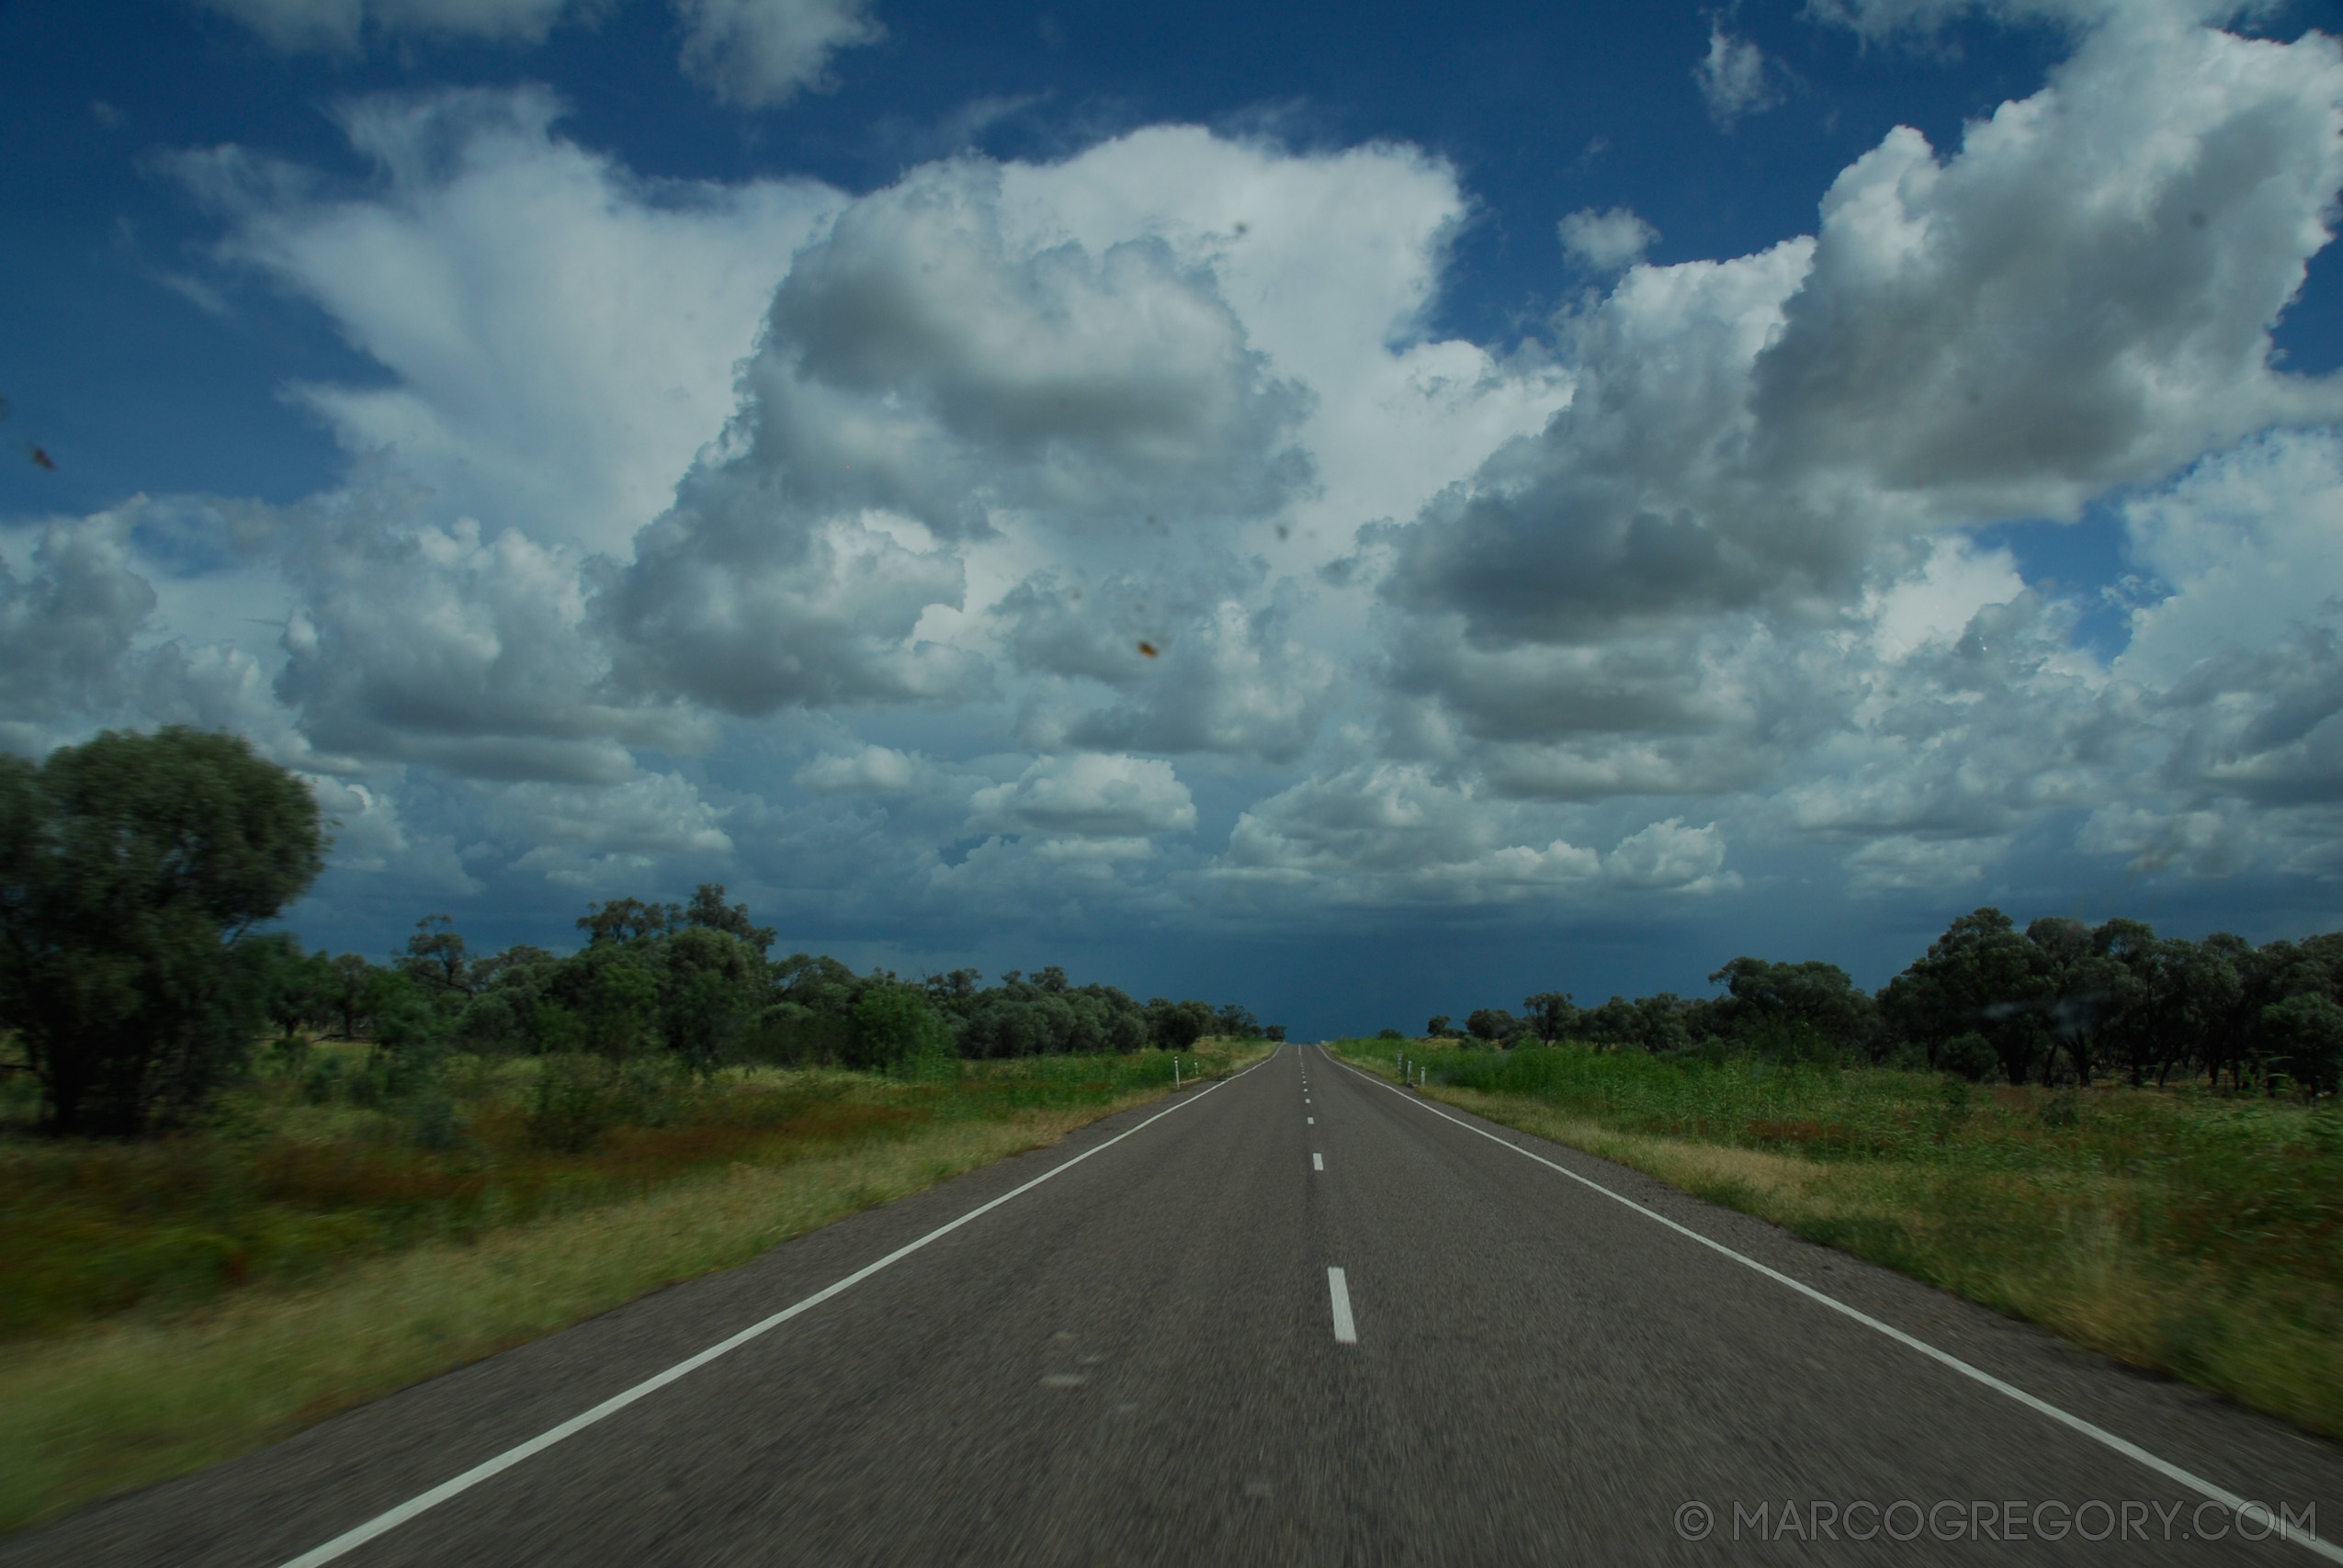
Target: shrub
[[580, 1097], [895, 1032], [1967, 1055]]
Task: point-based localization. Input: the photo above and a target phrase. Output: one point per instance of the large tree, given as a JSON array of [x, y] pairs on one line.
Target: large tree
[[1981, 977], [1552, 1014], [1494, 1025], [132, 869], [1811, 1009]]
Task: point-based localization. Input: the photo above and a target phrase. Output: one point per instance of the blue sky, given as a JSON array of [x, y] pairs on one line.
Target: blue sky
[[1606, 489]]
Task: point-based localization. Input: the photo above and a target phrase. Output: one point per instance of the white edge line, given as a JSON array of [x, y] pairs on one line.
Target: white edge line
[[391, 1519], [2123, 1446], [1346, 1332]]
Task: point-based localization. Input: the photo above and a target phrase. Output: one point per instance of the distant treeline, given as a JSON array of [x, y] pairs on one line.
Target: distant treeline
[[689, 983], [693, 981], [133, 986], [2061, 1001]]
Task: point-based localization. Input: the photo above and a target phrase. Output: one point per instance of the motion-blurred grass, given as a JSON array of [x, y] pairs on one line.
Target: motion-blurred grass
[[170, 1304], [2191, 1233]]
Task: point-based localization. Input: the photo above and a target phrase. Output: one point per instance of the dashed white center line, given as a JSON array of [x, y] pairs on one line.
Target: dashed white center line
[[1318, 1162], [1311, 1121], [1345, 1331]]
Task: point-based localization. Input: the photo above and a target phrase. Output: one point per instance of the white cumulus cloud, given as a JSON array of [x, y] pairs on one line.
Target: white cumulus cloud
[[2079, 299], [561, 336], [1734, 77], [414, 643], [1086, 795], [928, 375], [872, 770], [67, 625], [1148, 462], [1607, 240], [758, 53]]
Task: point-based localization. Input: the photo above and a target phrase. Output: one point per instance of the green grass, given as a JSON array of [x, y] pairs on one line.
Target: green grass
[[173, 1303], [277, 1190], [2194, 1234]]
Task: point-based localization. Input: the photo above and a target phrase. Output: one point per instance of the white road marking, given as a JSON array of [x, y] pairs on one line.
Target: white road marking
[[1311, 1121], [382, 1523], [1318, 1162], [2097, 1434], [1345, 1331]]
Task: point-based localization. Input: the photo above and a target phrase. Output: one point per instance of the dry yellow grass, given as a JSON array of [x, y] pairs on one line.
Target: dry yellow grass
[[139, 1400]]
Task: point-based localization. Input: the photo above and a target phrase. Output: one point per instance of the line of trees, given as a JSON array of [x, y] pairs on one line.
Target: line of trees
[[2058, 1002], [693, 982], [135, 869]]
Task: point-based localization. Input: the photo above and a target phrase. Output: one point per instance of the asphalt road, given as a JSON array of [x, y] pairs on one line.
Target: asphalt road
[[1137, 1362]]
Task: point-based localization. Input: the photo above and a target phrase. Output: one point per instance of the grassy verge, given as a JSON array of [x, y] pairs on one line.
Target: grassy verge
[[2196, 1234], [198, 1299]]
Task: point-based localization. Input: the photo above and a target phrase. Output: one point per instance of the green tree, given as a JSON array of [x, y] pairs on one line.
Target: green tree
[[2305, 1034], [437, 959], [1552, 1015], [714, 983], [707, 910], [1657, 1023], [409, 1034], [1175, 1026], [132, 869], [1797, 1010], [954, 990], [1980, 977], [2221, 1002], [347, 988], [293, 984], [617, 1001], [623, 921], [896, 1032], [1965, 1055], [1494, 1025]]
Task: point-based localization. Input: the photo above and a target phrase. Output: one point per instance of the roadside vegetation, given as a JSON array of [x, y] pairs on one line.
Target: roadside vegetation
[[2132, 1141], [243, 1186], [2058, 1003], [176, 1301]]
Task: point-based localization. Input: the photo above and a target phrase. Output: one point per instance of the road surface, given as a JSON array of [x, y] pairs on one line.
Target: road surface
[[1300, 1316]]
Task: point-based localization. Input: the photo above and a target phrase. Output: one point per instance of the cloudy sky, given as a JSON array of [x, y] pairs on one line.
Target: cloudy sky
[[1360, 510]]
